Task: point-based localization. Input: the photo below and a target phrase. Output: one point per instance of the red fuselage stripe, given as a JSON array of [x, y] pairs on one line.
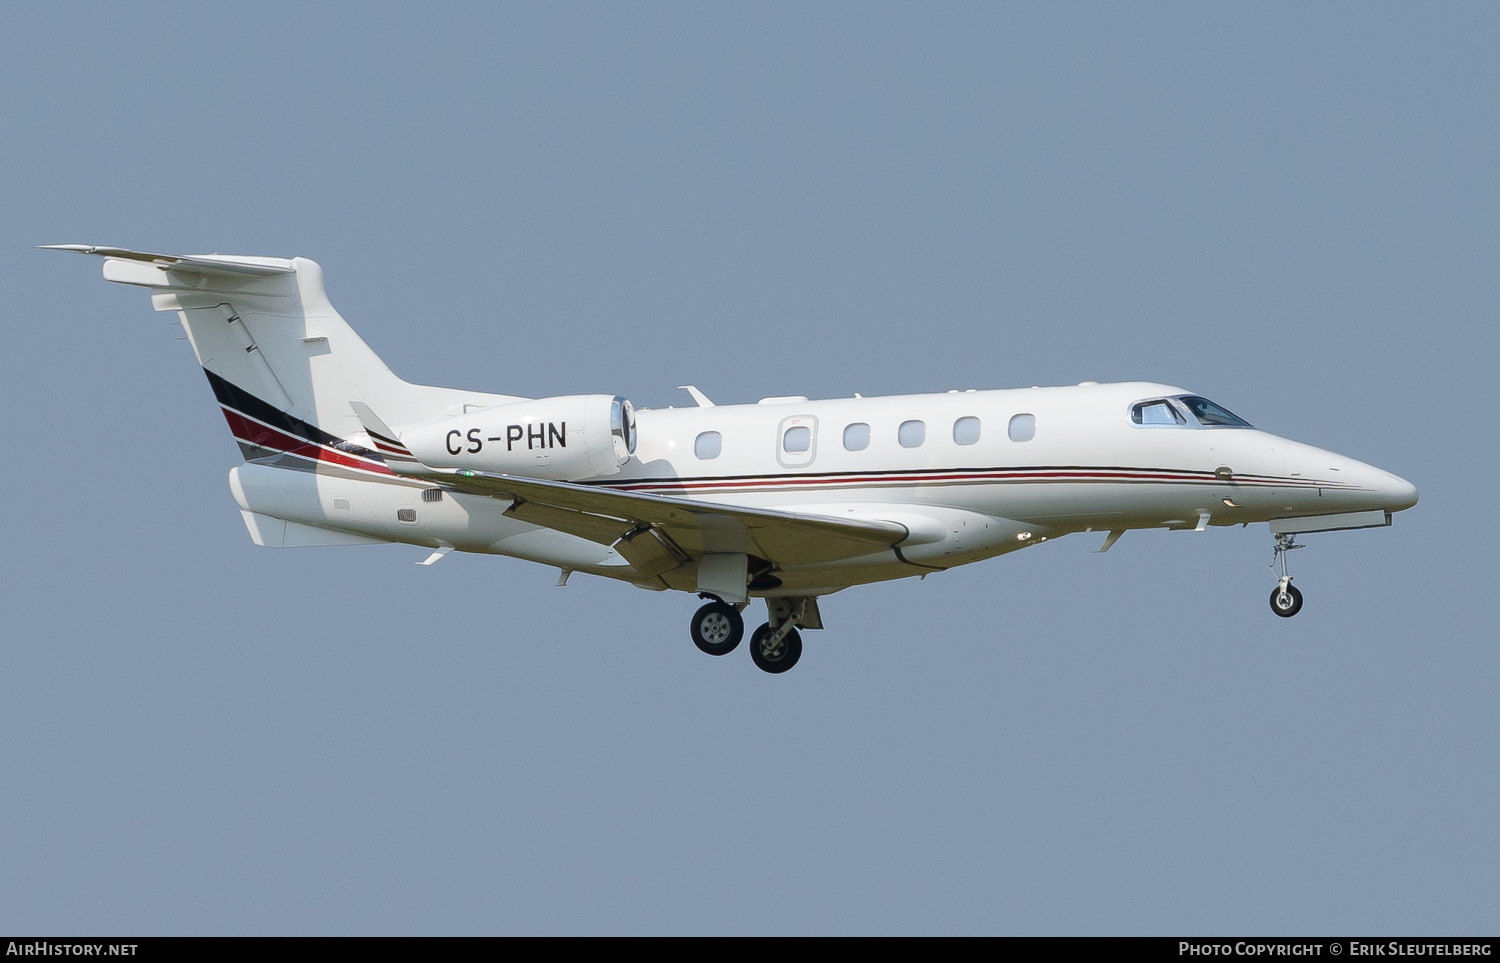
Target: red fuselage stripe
[[273, 439], [971, 477]]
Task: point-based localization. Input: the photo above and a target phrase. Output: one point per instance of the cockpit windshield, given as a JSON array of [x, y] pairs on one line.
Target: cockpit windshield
[[1158, 412], [1170, 412], [1211, 414]]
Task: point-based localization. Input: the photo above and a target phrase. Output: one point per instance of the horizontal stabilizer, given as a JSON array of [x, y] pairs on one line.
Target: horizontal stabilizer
[[200, 264], [282, 363]]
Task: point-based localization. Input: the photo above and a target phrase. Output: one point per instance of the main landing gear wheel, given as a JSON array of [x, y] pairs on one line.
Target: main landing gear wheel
[[717, 628], [775, 657], [1286, 602]]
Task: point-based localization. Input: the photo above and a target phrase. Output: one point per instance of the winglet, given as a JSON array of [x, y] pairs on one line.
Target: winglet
[[372, 423], [387, 442]]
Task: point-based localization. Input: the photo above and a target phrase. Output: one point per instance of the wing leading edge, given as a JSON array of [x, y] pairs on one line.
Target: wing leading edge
[[657, 533]]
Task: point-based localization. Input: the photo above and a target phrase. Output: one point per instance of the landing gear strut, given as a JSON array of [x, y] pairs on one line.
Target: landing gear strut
[[1286, 601], [777, 645]]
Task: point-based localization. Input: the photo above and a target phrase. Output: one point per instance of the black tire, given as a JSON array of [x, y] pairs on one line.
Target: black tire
[[717, 628], [783, 657], [1288, 607]]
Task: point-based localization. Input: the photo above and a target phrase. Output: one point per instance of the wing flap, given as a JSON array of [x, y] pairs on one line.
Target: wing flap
[[595, 528], [682, 529], [648, 550], [651, 551]]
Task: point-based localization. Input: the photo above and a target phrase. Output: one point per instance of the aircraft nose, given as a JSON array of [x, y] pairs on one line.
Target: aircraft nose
[[1399, 493]]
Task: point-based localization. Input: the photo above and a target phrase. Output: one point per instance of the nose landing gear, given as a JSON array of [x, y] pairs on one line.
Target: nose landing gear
[[1286, 601]]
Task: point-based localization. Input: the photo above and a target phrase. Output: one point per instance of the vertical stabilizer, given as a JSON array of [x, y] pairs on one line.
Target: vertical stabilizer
[[283, 364]]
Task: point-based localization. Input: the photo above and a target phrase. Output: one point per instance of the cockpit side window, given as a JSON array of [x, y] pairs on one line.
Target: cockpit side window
[[1211, 414], [1158, 412]]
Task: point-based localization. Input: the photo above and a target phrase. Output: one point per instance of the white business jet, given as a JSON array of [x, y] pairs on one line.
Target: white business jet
[[786, 500]]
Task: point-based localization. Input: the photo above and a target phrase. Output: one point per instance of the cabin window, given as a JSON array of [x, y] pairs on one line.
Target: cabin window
[[708, 445], [966, 431], [1156, 413], [1211, 414], [1022, 427], [912, 433], [797, 439], [857, 437]]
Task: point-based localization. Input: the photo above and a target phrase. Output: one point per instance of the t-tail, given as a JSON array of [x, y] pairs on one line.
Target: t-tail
[[284, 367]]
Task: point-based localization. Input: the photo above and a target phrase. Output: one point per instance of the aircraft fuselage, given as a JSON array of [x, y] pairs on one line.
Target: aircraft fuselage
[[971, 474]]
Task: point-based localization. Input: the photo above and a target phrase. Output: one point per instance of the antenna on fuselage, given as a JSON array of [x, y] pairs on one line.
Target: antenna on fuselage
[[698, 396]]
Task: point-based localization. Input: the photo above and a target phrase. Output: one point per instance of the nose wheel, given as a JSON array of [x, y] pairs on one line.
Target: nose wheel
[[1286, 601]]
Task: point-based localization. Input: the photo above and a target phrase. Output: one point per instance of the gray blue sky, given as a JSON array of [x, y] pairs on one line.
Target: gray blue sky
[[1290, 208]]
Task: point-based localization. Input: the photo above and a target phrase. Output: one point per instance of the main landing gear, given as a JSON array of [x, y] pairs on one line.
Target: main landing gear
[[717, 628], [774, 647], [1286, 601], [776, 650]]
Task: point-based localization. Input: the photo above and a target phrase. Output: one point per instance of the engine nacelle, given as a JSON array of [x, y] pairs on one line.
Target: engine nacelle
[[562, 439]]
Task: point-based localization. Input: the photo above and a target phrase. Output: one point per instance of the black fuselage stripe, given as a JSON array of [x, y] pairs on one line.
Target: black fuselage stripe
[[898, 474], [232, 396]]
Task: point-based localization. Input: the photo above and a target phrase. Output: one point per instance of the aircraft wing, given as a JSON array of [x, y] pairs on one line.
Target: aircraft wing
[[657, 533]]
